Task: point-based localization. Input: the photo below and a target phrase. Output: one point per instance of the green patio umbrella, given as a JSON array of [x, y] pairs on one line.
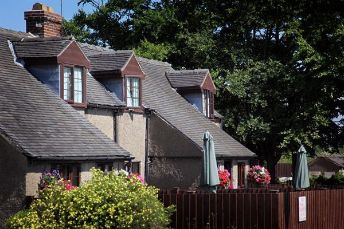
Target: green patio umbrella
[[209, 174], [301, 169]]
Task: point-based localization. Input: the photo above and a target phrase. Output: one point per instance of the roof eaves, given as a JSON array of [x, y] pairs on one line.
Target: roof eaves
[[15, 144], [112, 107]]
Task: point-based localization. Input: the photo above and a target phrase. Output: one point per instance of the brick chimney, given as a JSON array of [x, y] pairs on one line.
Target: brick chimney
[[43, 21]]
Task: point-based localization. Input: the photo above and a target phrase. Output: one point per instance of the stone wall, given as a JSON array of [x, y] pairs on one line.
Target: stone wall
[[12, 177]]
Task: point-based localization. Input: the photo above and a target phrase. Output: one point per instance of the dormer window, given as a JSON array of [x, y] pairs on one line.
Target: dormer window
[[133, 91], [73, 84], [59, 63]]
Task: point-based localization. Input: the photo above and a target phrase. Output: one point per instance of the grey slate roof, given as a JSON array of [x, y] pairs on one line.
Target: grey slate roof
[[39, 47], [186, 78], [41, 124], [98, 95], [158, 93], [109, 61], [336, 159]]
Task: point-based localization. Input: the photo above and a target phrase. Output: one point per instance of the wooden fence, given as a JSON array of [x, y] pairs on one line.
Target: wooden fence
[[261, 209]]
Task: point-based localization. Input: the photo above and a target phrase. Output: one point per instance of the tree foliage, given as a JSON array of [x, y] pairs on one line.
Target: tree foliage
[[278, 66]]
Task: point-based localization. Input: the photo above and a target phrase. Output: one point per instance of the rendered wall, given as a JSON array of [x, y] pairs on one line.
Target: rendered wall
[[102, 119], [33, 175], [131, 135], [174, 159], [12, 180]]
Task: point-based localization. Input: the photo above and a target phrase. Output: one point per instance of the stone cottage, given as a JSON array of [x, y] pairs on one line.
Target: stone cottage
[[71, 106], [39, 130]]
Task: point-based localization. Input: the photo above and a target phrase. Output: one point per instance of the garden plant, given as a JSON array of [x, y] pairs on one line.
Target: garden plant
[[113, 200]]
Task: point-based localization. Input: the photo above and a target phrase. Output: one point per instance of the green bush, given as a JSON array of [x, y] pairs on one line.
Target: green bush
[[335, 180], [106, 201]]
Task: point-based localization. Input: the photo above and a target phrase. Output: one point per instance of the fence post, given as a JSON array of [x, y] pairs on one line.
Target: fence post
[[286, 209]]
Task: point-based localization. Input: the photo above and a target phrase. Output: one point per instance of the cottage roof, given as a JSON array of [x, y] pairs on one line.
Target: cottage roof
[[187, 78], [91, 50], [41, 124], [159, 95], [336, 159]]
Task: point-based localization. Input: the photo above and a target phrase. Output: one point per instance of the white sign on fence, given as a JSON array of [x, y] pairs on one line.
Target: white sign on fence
[[302, 208]]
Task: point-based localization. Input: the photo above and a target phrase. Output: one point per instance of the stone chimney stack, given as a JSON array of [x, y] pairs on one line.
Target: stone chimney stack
[[43, 21]]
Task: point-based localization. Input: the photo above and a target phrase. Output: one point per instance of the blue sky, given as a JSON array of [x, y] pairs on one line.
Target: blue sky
[[12, 12]]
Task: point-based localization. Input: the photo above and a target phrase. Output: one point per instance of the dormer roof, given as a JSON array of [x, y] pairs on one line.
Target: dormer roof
[[61, 49], [107, 62], [40, 47], [197, 78]]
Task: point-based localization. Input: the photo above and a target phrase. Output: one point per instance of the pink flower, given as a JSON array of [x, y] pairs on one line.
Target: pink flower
[[259, 174]]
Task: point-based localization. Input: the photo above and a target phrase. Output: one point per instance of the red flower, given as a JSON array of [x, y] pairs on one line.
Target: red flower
[[225, 180]]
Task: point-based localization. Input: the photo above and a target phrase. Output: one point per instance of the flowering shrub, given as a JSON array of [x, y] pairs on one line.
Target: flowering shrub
[[137, 176], [259, 175], [53, 178], [106, 201], [225, 180], [49, 178]]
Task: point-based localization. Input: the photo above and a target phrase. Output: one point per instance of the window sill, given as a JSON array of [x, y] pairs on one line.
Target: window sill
[[139, 110], [78, 105]]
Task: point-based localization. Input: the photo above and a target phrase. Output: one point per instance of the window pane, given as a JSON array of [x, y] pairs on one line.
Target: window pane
[[67, 79], [78, 85], [135, 102], [129, 93], [133, 92]]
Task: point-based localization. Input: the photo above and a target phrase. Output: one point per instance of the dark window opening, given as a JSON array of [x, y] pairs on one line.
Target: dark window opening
[[135, 167], [69, 172], [105, 167], [241, 175]]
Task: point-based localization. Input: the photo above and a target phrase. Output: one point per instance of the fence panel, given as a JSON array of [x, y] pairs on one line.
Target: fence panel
[[258, 209], [223, 210], [324, 209]]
